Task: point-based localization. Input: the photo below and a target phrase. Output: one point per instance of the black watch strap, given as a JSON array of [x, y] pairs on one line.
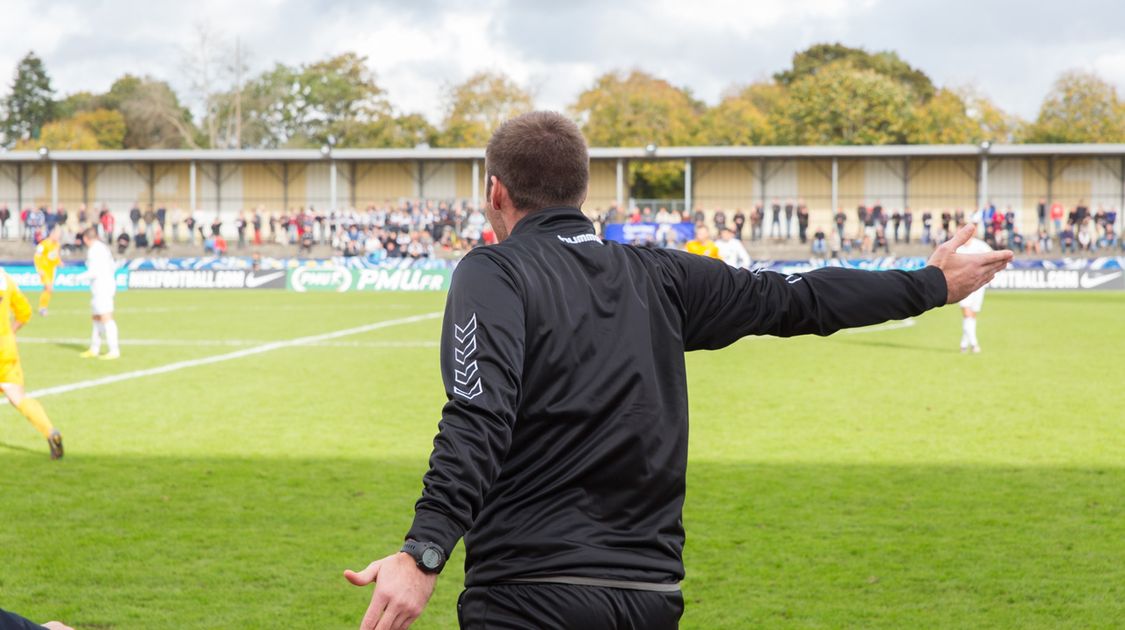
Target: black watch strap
[[429, 557]]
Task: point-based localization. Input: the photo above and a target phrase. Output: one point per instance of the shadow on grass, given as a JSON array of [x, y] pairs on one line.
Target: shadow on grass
[[873, 343], [131, 542], [22, 449], [70, 345]]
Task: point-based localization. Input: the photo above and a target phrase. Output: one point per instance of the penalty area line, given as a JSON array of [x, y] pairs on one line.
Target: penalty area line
[[228, 356]]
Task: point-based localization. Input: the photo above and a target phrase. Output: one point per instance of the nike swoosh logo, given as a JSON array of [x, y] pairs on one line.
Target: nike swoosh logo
[[253, 282], [1089, 283]]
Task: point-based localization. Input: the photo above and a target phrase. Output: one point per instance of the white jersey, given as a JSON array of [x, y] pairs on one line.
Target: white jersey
[[975, 300], [733, 253], [101, 269]]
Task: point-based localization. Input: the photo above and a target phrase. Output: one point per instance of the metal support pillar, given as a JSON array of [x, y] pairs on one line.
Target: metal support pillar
[[476, 184], [687, 187], [835, 185]]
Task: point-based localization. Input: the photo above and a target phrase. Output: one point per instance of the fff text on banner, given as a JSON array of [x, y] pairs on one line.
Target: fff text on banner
[[649, 232]]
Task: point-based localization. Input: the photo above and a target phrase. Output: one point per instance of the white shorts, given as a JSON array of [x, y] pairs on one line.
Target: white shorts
[[102, 303], [974, 301]]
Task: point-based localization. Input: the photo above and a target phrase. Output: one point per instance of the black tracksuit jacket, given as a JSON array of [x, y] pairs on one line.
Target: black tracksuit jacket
[[562, 449]]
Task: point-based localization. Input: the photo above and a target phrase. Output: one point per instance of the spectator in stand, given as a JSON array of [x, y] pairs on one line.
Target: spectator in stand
[[907, 222], [158, 242], [1057, 216], [108, 223], [1041, 213], [841, 221], [775, 223], [819, 246], [216, 225], [135, 218], [802, 221], [5, 214], [701, 244], [871, 218], [150, 221], [177, 218], [189, 223], [1042, 244], [141, 241], [123, 242], [240, 228], [720, 219], [881, 241], [757, 217], [25, 214], [1081, 212], [1108, 239], [1016, 241], [896, 223], [257, 225], [162, 217], [1066, 240], [731, 250], [1009, 222], [739, 222], [788, 219], [699, 217]]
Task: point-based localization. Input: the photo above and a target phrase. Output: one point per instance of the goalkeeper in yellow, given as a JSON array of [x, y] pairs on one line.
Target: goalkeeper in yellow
[[46, 261], [14, 313]]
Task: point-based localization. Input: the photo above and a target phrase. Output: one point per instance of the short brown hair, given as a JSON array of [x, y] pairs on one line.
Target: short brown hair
[[541, 158]]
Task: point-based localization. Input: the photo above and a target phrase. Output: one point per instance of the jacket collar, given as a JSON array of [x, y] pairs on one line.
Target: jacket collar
[[554, 218]]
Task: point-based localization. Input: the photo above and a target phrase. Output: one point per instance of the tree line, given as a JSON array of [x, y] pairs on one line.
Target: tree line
[[830, 94]]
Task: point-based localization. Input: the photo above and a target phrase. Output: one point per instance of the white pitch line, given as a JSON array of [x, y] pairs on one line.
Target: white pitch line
[[906, 323], [238, 354], [232, 342]]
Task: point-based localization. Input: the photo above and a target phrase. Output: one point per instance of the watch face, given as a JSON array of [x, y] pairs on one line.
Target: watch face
[[431, 558]]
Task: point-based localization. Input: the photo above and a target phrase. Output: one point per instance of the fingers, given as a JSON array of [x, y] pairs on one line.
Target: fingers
[[389, 621], [374, 611], [961, 236], [365, 576]]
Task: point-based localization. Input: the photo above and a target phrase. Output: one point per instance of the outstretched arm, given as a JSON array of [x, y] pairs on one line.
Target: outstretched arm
[[722, 305]]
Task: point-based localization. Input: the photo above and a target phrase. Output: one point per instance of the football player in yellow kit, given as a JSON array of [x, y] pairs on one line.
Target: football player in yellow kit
[[14, 313], [46, 261]]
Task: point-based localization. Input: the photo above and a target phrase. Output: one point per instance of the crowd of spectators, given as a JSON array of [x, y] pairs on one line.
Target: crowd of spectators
[[873, 229]]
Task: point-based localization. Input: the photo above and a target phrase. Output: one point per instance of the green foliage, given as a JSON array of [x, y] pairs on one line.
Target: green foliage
[[634, 109], [30, 105], [476, 107], [812, 60], [742, 117], [1081, 107], [841, 104]]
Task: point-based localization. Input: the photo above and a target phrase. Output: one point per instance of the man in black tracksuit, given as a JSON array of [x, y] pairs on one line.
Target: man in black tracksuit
[[562, 450]]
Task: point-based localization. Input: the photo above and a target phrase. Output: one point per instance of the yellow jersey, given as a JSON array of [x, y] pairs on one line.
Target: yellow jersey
[[702, 248], [47, 256], [12, 304]]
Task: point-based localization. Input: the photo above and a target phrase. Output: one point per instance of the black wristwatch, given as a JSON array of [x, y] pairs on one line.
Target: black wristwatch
[[429, 557]]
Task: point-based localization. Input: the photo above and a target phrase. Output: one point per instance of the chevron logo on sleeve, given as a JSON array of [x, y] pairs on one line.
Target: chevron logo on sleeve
[[465, 372]]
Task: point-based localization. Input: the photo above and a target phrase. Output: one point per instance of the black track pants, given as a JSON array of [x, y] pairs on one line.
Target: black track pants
[[563, 606]]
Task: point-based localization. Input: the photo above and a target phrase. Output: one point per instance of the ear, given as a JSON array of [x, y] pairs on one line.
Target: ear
[[498, 197]]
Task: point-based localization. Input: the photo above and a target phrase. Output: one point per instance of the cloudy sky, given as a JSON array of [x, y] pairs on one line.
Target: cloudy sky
[[1011, 51]]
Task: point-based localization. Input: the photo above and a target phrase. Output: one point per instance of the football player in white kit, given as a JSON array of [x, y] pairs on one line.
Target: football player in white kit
[[101, 270], [971, 305]]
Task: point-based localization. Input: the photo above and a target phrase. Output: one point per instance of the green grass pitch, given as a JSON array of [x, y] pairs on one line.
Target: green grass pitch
[[873, 480]]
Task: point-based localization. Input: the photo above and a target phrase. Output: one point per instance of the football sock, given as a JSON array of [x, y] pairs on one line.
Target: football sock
[[31, 409], [965, 332], [971, 330], [111, 335], [44, 300], [96, 338]]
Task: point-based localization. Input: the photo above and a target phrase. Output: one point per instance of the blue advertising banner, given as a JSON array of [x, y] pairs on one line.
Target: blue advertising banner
[[67, 278], [637, 233]]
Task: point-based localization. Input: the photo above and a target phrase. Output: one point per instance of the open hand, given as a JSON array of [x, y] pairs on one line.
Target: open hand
[[401, 591], [965, 273]]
